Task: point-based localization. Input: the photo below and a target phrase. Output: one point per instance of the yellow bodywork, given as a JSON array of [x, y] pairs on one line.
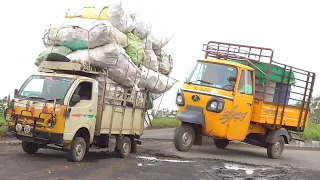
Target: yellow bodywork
[[242, 114], [42, 118]]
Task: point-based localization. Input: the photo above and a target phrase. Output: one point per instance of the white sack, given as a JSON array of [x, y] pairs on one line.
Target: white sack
[[150, 60], [155, 82], [112, 57], [142, 28], [119, 19], [115, 93], [165, 62], [160, 39], [93, 32]]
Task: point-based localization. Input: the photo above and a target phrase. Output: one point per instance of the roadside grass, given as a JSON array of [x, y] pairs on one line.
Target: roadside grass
[[166, 122], [3, 126], [312, 132]]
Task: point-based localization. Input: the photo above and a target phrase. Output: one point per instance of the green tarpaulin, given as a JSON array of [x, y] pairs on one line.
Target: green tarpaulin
[[275, 75]]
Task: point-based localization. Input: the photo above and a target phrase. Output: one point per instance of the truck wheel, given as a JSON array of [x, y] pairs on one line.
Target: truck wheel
[[78, 150], [134, 146], [123, 147], [221, 143], [184, 137], [275, 150], [30, 147]]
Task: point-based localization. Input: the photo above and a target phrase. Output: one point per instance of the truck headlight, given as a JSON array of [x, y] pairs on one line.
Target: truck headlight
[[18, 127], [51, 124], [27, 129], [215, 105], [180, 99]]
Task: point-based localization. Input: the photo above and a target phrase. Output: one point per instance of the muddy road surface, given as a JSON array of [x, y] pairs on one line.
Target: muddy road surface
[[156, 159]]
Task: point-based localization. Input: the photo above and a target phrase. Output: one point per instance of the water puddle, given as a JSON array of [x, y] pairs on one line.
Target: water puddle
[[249, 170], [162, 160]]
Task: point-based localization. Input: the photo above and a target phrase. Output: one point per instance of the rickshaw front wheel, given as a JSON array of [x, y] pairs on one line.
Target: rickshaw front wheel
[[184, 137], [221, 143]]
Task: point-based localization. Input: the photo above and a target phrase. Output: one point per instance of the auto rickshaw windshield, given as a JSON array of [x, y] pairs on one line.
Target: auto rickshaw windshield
[[216, 75]]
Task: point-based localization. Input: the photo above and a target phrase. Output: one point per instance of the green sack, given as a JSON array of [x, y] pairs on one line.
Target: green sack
[[135, 49], [75, 45], [52, 49]]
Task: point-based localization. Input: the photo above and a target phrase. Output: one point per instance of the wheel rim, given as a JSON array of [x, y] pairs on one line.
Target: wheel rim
[[79, 150], [277, 148], [126, 147], [186, 138]]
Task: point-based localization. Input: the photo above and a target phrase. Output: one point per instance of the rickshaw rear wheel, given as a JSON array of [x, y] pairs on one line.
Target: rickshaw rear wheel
[[221, 143], [275, 150], [184, 137]]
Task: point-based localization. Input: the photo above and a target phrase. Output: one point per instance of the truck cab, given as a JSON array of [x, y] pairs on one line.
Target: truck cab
[[66, 106]]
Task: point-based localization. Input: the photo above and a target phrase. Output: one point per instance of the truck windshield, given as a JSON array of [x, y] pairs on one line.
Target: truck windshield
[[45, 88], [214, 75]]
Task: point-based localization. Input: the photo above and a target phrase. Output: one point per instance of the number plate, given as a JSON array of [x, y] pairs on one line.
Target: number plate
[[22, 133]]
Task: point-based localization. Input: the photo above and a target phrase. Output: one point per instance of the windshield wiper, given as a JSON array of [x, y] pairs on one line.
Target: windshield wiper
[[35, 97], [200, 81], [53, 99]]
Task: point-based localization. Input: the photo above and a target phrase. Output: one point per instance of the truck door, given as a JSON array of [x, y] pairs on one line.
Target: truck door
[[242, 107], [82, 113]]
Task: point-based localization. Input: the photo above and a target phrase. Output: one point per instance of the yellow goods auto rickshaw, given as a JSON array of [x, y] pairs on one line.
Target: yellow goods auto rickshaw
[[235, 95]]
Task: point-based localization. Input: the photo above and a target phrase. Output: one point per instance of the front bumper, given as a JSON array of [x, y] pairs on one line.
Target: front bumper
[[40, 137], [193, 115]]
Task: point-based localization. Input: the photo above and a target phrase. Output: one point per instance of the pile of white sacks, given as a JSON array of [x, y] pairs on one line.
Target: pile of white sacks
[[111, 39]]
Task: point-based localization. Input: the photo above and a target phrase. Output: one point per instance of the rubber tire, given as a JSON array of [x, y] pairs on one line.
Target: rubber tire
[[119, 147], [221, 143], [134, 146], [178, 137], [72, 151], [271, 148], [30, 147]]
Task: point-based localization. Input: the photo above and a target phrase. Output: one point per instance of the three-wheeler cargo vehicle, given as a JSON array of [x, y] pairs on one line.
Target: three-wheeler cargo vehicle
[[239, 93], [72, 107]]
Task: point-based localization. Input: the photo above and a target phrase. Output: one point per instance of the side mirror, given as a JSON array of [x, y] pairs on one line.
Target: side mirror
[[75, 99], [16, 91], [232, 79]]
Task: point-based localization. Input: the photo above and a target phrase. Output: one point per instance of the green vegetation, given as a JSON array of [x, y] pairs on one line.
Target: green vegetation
[[165, 122], [3, 126], [312, 132]]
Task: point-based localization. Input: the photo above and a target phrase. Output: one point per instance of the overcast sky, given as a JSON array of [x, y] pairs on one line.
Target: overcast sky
[[289, 27]]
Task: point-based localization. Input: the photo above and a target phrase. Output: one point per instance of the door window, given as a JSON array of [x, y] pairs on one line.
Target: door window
[[84, 90], [246, 81]]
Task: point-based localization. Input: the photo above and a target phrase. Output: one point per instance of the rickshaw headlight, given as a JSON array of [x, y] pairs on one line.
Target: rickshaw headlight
[[215, 105], [180, 99]]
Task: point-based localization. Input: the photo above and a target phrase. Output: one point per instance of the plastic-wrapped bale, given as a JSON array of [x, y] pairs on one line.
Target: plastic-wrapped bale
[[115, 93], [78, 33], [160, 39], [165, 62], [113, 58], [150, 60], [135, 49], [155, 82], [142, 29], [62, 50], [119, 19], [89, 12]]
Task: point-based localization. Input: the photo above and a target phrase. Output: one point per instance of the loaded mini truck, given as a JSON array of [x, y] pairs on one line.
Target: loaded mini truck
[[67, 106], [232, 95]]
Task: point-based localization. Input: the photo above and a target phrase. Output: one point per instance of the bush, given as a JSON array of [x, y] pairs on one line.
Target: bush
[[312, 132]]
